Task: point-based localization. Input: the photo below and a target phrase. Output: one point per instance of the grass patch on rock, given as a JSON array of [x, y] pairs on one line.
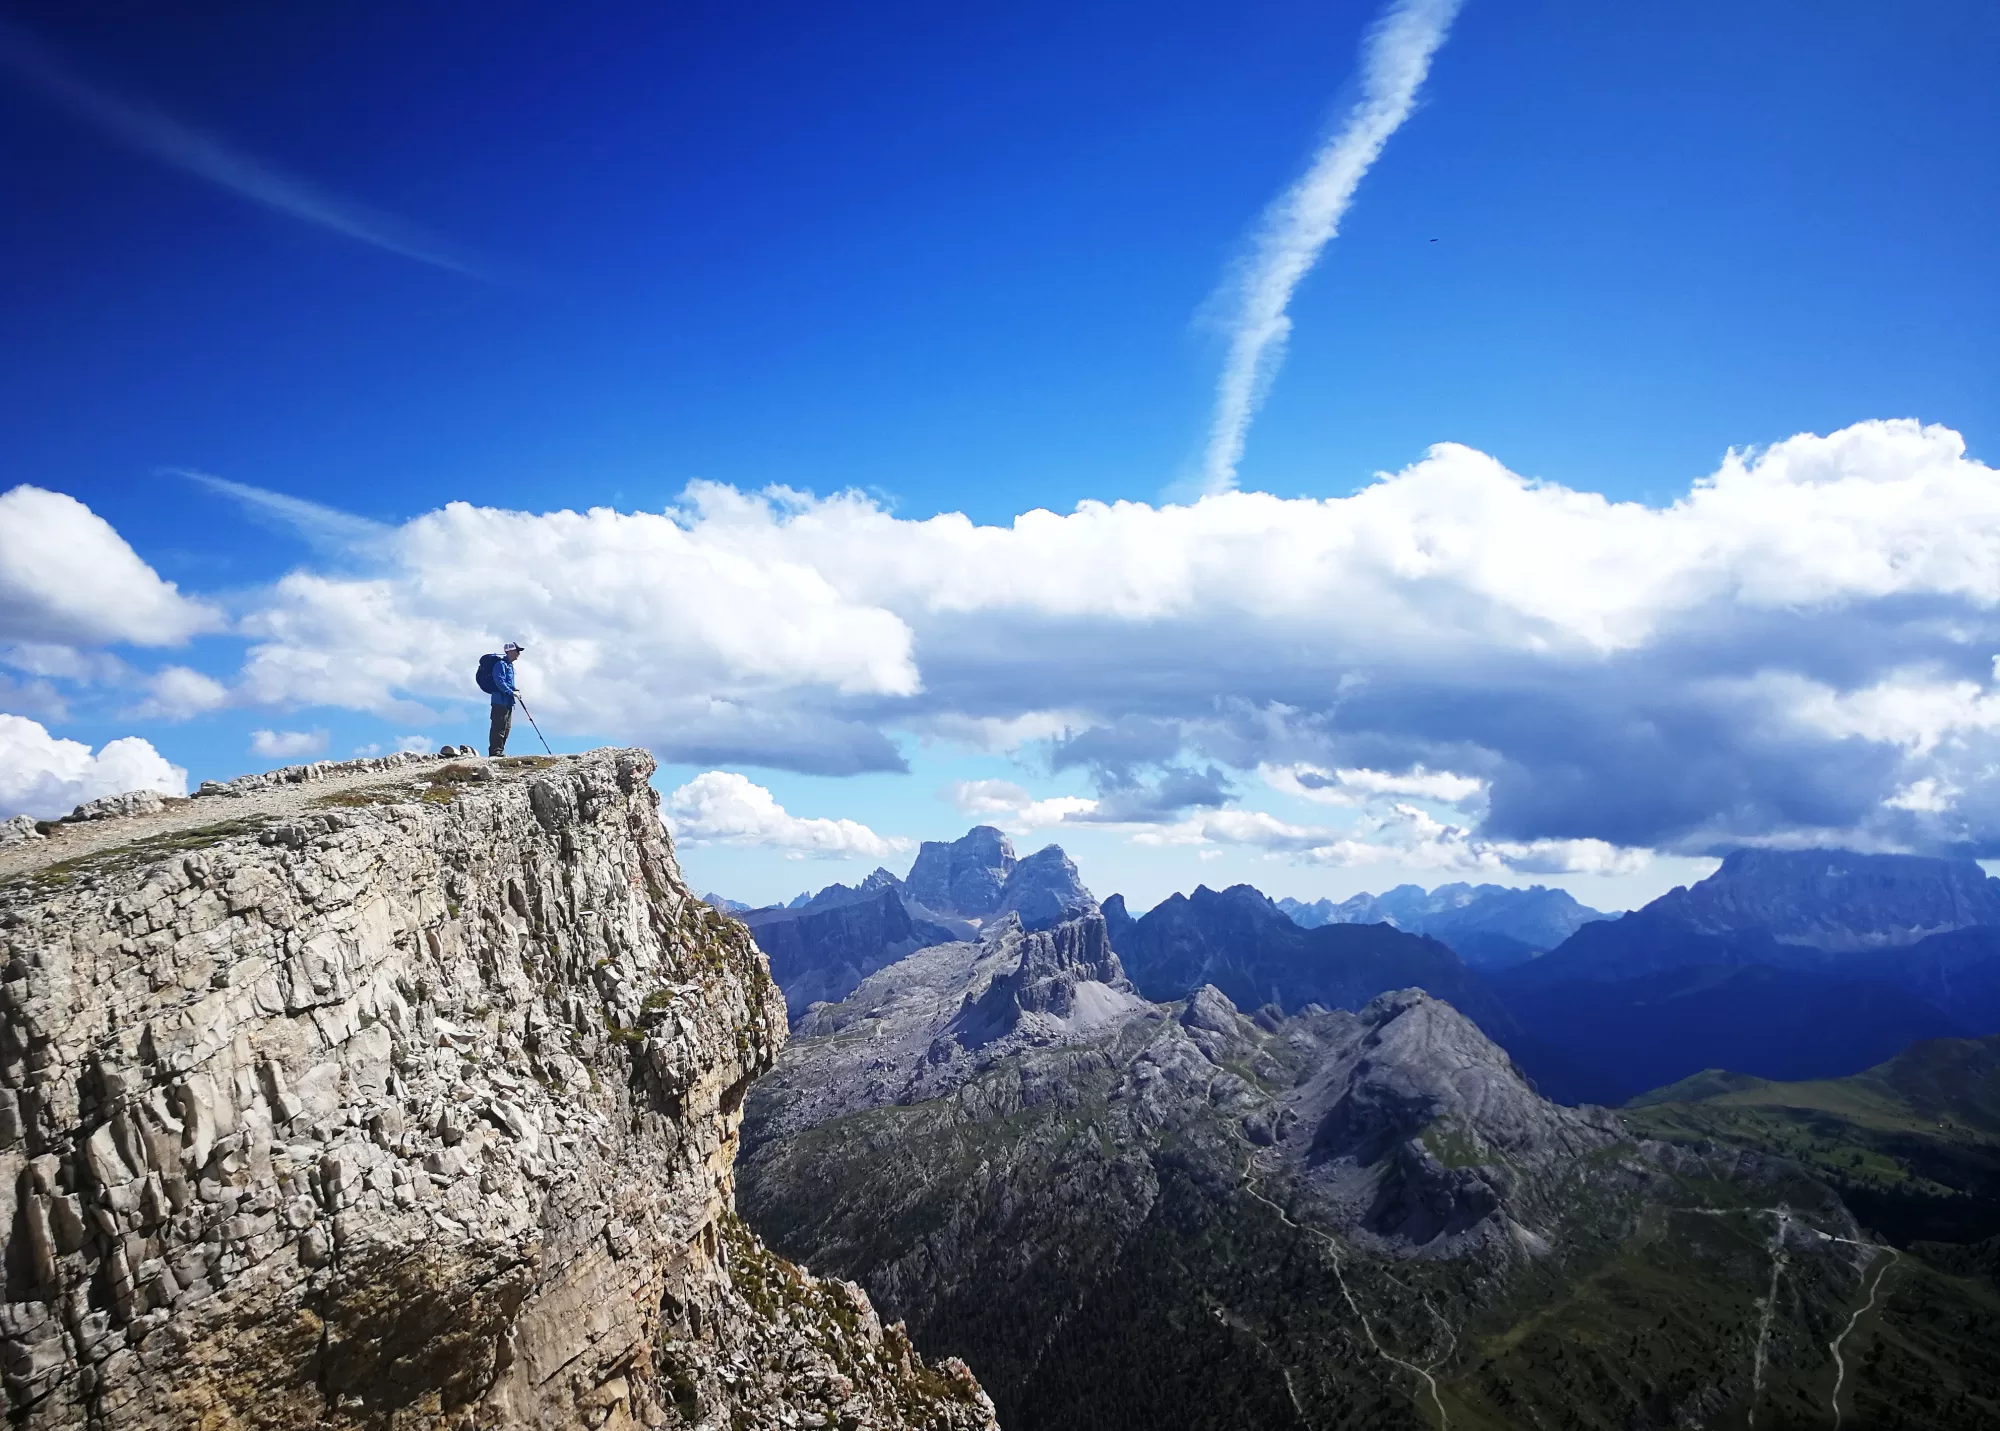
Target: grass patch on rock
[[140, 852]]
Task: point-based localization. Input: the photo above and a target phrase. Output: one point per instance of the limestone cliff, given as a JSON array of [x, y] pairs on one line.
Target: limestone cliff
[[401, 1093]]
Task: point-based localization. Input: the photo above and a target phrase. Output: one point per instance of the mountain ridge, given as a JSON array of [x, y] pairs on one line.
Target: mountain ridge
[[1361, 1218], [1240, 941], [1720, 973], [1489, 926], [824, 944]]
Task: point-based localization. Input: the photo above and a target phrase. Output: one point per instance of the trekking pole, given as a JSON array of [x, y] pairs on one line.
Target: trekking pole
[[531, 721]]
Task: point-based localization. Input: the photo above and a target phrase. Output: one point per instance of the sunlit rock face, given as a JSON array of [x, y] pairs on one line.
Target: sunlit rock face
[[964, 877], [404, 1092]]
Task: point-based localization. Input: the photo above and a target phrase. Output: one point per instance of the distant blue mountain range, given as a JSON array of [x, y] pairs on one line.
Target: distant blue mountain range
[[1782, 964], [1239, 941], [1489, 926]]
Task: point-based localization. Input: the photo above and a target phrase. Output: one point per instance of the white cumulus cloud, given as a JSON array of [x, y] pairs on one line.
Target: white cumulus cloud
[[45, 776], [1787, 651], [66, 577], [179, 692], [642, 625], [1238, 827], [1407, 836], [1009, 805], [721, 807], [287, 744]]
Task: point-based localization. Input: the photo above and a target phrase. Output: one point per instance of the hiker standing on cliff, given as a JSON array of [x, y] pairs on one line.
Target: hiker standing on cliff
[[496, 677]]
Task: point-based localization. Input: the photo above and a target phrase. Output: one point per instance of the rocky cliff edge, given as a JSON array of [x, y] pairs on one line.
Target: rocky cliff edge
[[401, 1093]]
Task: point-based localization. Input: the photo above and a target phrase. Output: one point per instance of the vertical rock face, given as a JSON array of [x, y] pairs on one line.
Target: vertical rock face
[[405, 1097], [1045, 889], [964, 877], [1835, 900]]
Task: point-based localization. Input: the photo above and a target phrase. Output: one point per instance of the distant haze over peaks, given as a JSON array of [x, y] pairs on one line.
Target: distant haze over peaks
[[1488, 925]]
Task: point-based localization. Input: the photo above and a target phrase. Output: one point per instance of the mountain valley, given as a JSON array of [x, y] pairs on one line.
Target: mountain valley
[[1124, 1212], [1322, 1152]]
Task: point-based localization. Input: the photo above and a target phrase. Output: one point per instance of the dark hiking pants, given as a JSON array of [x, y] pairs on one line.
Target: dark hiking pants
[[496, 736]]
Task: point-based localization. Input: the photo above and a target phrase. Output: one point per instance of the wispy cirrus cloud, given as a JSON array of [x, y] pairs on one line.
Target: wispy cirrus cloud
[[327, 529], [208, 157], [1395, 59]]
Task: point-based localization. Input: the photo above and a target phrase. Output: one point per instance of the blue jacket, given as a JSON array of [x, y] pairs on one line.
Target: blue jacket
[[503, 682]]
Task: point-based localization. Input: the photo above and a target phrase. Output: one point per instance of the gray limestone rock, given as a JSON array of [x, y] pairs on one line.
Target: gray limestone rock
[[1423, 1132], [401, 1093], [18, 831], [964, 877], [1045, 889], [117, 807]]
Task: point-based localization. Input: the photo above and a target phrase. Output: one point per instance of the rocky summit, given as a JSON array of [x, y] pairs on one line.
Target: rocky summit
[[823, 945], [401, 1093]]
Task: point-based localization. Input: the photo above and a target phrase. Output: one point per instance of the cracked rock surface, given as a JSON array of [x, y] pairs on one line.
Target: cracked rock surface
[[401, 1093]]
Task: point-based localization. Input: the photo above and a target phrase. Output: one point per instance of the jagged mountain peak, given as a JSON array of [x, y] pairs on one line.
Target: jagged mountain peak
[[1243, 944], [1046, 889], [1420, 1131], [964, 876], [1832, 899], [1064, 981], [838, 894]]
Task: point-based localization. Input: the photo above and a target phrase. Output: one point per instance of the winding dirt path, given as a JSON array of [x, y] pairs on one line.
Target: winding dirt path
[[1779, 1263], [1874, 1291], [1367, 1327]]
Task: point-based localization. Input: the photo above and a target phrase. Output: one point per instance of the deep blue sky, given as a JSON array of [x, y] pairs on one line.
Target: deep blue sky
[[958, 254]]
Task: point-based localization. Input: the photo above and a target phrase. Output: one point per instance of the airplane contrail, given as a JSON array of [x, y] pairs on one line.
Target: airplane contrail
[[1396, 56], [207, 157], [326, 528]]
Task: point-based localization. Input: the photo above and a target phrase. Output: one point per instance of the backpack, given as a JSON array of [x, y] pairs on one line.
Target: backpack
[[484, 678]]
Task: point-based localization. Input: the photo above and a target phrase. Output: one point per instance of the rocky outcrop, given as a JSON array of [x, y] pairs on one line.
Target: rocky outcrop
[[19, 830], [401, 1093], [934, 1020], [1045, 889], [963, 877], [1064, 981]]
